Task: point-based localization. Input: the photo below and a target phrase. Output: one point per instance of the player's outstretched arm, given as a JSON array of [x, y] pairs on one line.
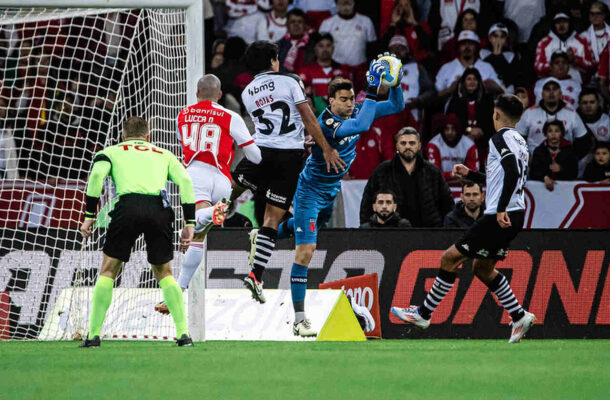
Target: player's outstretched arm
[[99, 171], [331, 156], [393, 105], [463, 172]]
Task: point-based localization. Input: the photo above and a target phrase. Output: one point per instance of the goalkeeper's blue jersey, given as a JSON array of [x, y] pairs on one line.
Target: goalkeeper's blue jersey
[[344, 143]]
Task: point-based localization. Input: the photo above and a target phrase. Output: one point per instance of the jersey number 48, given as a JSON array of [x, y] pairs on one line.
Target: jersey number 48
[[199, 137]]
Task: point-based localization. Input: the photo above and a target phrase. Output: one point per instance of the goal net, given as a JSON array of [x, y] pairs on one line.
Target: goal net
[[70, 79]]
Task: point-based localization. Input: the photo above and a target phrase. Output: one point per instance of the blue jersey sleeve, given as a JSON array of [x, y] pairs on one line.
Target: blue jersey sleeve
[[393, 105], [360, 124]]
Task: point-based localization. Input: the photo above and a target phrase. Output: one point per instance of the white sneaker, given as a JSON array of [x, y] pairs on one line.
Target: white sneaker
[[364, 314], [521, 327], [304, 329], [252, 235], [410, 315]]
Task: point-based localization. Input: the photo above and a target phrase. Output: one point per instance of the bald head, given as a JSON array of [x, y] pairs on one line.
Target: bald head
[[208, 88]]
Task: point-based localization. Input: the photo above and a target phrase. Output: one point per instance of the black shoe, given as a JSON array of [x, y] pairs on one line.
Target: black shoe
[[185, 340], [95, 342]]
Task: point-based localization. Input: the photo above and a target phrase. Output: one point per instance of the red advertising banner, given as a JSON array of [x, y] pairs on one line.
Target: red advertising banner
[[4, 311], [364, 290], [32, 204]]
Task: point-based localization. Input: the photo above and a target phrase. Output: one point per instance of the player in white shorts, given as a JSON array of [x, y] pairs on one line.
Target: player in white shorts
[[207, 133]]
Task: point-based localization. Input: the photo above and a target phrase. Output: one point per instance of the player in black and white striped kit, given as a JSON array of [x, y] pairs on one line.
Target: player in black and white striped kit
[[488, 240]]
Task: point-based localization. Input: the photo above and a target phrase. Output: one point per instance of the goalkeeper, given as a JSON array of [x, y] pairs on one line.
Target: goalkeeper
[[139, 171]]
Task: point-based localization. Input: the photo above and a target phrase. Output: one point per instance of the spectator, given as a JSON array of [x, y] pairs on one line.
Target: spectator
[[591, 111], [230, 69], [598, 33], [275, 20], [554, 159], [369, 154], [469, 209], [295, 49], [384, 212], [317, 74], [498, 54], [603, 72], [218, 57], [524, 95], [403, 23], [560, 68], [562, 37], [417, 86], [468, 55], [450, 146], [474, 108], [525, 14], [316, 10], [598, 169], [552, 107], [466, 21], [246, 19], [444, 15], [8, 148], [422, 194], [353, 33]]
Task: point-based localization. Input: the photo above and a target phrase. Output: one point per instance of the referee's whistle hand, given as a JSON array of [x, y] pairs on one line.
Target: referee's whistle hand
[[87, 227], [332, 159], [185, 237], [503, 219]]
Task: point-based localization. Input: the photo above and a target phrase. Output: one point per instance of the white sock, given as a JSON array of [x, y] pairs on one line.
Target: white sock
[[299, 316], [203, 217], [191, 261]]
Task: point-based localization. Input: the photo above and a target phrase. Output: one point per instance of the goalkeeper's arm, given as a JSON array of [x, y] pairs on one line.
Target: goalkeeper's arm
[[177, 174], [99, 171]]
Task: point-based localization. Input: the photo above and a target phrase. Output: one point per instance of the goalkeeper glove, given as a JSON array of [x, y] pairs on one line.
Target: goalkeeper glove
[[375, 74]]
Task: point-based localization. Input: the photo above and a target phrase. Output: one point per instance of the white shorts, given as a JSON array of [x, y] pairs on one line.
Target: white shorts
[[209, 183]]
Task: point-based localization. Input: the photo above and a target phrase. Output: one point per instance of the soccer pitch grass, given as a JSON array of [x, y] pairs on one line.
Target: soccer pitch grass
[[386, 369]]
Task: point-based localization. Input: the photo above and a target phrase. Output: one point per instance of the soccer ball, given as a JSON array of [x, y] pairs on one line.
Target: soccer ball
[[392, 66]]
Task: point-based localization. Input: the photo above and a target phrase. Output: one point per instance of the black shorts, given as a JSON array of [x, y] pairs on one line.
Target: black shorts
[[486, 239], [133, 215], [276, 176]]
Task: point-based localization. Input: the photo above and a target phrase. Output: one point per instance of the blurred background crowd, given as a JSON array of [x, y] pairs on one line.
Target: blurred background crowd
[[60, 78]]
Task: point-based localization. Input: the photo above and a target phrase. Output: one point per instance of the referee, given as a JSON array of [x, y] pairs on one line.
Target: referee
[[139, 171]]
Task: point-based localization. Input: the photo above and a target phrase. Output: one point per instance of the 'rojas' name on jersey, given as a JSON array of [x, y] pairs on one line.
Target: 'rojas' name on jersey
[[271, 99]]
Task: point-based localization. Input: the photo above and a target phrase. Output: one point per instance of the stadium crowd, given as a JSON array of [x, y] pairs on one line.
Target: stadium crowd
[[456, 54]]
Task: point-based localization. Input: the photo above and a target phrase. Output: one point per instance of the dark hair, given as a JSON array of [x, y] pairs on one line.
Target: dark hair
[[338, 84], [259, 55], [385, 191], [586, 91], [235, 47], [407, 130], [558, 54], [557, 123], [461, 88], [460, 19], [510, 105], [602, 145], [296, 12], [135, 127], [318, 37], [466, 184]]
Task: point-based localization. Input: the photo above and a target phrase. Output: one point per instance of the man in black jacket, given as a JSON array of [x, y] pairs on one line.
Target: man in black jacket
[[422, 194], [470, 209], [385, 215]]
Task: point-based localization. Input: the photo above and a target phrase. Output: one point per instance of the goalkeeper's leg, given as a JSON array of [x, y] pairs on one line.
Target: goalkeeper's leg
[[102, 295], [173, 297]]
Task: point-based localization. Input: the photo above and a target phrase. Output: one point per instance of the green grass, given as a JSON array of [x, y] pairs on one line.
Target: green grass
[[388, 369]]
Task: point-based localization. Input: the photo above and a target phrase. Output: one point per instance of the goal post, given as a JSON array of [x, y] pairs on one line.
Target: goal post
[[111, 59]]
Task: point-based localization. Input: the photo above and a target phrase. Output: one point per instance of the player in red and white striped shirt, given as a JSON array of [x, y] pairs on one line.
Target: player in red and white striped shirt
[[207, 133]]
